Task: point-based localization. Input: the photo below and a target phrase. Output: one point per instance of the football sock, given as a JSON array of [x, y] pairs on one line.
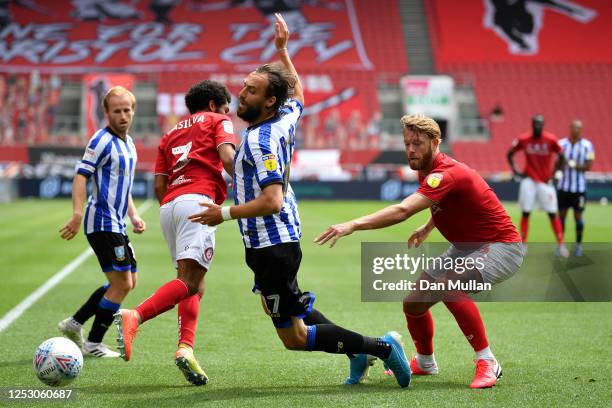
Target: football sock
[[524, 227], [337, 340], [316, 317], [163, 299], [468, 317], [104, 318], [555, 223], [188, 310], [579, 230], [89, 308], [425, 360], [485, 354], [421, 330]]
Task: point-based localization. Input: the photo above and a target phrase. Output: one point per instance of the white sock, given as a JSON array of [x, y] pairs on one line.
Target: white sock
[[425, 360], [485, 354]]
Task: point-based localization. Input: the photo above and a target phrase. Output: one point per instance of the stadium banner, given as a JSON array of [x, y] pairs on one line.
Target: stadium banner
[[349, 97], [78, 36], [95, 87], [488, 272], [57, 186], [431, 95], [62, 160], [486, 31]]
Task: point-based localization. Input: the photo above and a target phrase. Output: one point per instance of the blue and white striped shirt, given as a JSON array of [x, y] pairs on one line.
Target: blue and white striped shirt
[[112, 162], [573, 181], [263, 158]]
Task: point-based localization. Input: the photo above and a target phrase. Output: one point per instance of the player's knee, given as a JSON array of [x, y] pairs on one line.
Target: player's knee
[[192, 274], [552, 216], [121, 288], [413, 308], [526, 214], [294, 342]]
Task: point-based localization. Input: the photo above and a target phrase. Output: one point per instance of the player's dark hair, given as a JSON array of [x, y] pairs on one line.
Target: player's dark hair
[[280, 83], [200, 94]]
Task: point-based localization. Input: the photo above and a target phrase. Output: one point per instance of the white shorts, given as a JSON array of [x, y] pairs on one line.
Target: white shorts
[[530, 191], [499, 261], [186, 239]]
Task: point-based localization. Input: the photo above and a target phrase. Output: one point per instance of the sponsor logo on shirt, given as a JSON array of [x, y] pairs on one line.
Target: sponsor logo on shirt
[[434, 180], [90, 155], [270, 162], [180, 180]]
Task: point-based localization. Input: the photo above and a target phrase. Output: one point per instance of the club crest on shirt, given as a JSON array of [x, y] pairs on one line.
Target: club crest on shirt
[[208, 253], [269, 162], [434, 180], [120, 253]]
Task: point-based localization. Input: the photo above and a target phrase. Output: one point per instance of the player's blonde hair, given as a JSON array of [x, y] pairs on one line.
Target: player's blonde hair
[[116, 91], [422, 124]]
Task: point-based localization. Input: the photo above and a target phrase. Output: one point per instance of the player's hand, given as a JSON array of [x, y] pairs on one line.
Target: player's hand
[[418, 236], [281, 32], [71, 228], [138, 224], [334, 233], [210, 216]]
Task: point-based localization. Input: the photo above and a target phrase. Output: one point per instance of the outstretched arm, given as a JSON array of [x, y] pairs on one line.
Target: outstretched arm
[[388, 216], [281, 38]]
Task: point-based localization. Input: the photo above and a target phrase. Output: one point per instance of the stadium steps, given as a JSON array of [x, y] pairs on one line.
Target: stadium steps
[[416, 37]]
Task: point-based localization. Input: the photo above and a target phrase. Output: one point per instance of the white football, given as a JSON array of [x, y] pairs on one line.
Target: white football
[[58, 361]]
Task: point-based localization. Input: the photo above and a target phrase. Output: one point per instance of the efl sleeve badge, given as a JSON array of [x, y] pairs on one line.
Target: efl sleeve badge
[[270, 162], [434, 180]]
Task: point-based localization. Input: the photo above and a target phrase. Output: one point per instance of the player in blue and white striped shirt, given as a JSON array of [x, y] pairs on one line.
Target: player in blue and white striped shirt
[[267, 214], [571, 186], [110, 157]]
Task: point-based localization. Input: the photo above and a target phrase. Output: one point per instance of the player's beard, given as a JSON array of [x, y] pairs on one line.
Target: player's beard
[[250, 113], [422, 162]]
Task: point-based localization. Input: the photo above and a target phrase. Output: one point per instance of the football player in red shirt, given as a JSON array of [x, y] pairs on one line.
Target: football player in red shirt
[[470, 216], [190, 160], [540, 149]]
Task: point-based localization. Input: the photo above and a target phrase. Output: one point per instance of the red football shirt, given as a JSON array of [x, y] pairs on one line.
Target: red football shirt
[[188, 155], [466, 209], [539, 154]]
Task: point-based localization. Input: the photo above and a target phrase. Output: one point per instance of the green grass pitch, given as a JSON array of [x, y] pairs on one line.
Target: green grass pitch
[[553, 354]]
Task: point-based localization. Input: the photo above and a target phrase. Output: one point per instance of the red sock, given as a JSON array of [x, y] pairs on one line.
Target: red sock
[[555, 223], [188, 310], [468, 317], [524, 228], [421, 330], [163, 299]]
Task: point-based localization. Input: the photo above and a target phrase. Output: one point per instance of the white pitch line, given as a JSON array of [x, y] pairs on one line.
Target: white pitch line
[[42, 290]]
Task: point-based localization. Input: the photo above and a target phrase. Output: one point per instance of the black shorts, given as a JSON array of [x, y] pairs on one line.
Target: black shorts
[[276, 269], [566, 200], [114, 251]]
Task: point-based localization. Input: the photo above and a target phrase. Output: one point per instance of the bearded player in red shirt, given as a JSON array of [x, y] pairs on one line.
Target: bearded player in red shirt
[[465, 210], [540, 148], [190, 160]]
